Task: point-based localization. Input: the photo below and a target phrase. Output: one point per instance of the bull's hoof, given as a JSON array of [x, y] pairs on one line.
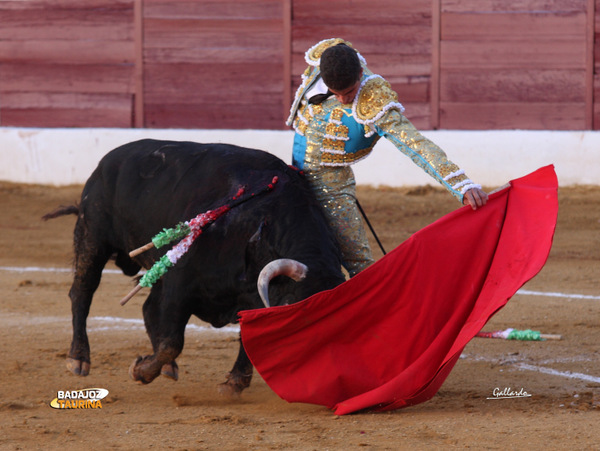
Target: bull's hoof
[[170, 370], [132, 370], [78, 367], [235, 384], [135, 371], [230, 390]]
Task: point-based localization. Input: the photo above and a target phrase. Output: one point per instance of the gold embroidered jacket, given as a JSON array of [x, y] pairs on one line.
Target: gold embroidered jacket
[[333, 134]]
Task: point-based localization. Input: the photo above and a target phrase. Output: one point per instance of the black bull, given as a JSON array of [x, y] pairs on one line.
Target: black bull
[[141, 188]]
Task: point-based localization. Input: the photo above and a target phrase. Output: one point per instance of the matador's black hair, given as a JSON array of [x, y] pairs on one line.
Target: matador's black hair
[[340, 67]]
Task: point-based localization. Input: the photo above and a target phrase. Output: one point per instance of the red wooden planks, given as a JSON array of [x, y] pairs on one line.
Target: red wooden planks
[[67, 109], [527, 116], [513, 64], [211, 64], [244, 58], [66, 63]]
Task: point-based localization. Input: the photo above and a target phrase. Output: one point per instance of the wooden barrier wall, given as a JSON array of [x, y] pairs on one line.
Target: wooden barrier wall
[[66, 63], [456, 64], [514, 64]]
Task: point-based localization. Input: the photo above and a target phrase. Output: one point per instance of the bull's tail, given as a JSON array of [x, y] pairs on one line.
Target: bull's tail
[[63, 210]]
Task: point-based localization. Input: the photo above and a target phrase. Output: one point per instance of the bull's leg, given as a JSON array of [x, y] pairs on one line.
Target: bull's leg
[[167, 327], [151, 311], [240, 376], [88, 271]]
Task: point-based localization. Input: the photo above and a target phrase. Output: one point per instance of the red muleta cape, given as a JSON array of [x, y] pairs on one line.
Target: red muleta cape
[[389, 337]]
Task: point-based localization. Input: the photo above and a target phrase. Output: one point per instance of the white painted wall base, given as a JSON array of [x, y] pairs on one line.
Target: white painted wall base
[[492, 158]]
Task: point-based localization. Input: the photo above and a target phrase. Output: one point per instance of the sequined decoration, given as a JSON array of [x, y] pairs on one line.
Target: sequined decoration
[[423, 152], [335, 189], [313, 55], [332, 146], [375, 95]]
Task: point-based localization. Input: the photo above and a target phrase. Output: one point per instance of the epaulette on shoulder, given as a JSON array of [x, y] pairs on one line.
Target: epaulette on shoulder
[[374, 99]]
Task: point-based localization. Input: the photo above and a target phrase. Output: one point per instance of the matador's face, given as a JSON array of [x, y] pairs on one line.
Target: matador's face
[[347, 95]]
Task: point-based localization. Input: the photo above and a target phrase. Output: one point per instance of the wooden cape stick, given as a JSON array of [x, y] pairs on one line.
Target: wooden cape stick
[[500, 188]]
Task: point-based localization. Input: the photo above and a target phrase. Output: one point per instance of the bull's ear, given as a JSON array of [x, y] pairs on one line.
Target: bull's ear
[[256, 238], [256, 251]]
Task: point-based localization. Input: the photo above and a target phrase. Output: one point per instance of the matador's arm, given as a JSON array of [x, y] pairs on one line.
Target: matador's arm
[[426, 154], [377, 108]]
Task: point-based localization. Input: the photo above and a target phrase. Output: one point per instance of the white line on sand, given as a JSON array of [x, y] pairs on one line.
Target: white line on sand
[[553, 372], [558, 295], [102, 323], [537, 368], [116, 271], [112, 323], [41, 269]]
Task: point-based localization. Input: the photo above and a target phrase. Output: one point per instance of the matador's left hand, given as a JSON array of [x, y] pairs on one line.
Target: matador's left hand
[[475, 197]]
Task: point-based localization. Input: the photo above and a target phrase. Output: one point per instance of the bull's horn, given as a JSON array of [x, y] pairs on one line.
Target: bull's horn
[[282, 267]]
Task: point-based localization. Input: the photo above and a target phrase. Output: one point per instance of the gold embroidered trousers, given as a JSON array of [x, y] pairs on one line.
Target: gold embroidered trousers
[[335, 188]]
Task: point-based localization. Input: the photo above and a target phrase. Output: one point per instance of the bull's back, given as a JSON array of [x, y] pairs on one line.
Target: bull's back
[[148, 160], [145, 186], [173, 176]]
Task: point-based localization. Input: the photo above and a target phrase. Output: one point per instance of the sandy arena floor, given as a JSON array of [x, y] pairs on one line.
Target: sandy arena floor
[[563, 377]]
